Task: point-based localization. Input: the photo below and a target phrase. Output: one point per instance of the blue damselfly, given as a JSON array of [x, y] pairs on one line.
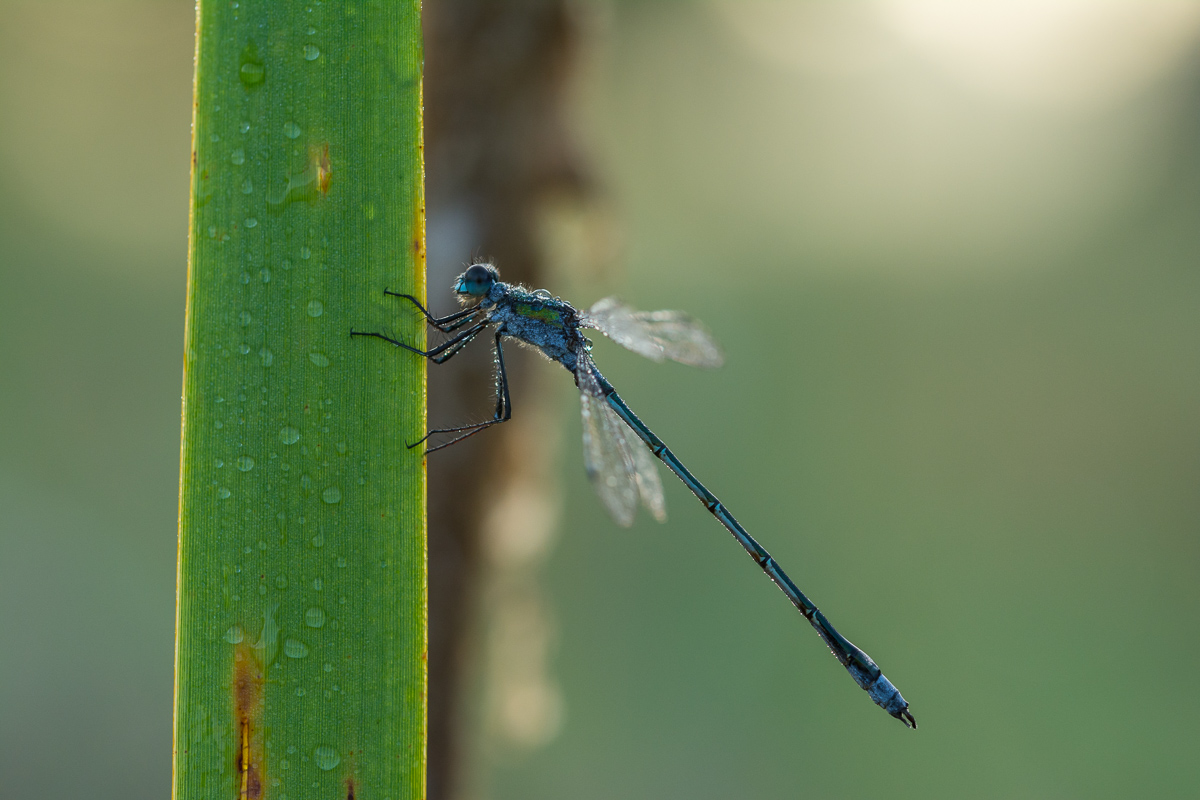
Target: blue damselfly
[[621, 471]]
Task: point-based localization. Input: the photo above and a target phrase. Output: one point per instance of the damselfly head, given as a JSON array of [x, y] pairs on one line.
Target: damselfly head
[[477, 280]]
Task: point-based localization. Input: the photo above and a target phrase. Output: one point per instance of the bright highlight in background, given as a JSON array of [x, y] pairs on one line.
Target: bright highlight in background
[[961, 138], [1075, 52]]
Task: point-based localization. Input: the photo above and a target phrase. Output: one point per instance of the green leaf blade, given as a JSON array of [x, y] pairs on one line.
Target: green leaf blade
[[302, 620]]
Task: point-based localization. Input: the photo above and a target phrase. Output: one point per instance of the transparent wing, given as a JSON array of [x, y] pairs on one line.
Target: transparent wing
[[618, 464], [657, 335], [648, 482], [608, 467]]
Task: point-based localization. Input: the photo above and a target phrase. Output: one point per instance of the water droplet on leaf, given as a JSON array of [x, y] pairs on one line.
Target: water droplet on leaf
[[326, 757], [252, 74], [268, 639]]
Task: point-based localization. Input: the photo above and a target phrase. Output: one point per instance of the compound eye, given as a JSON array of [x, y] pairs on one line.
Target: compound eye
[[477, 280], [478, 274]]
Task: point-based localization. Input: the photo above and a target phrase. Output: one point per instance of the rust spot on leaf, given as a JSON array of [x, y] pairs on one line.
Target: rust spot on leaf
[[324, 171], [350, 788], [309, 184], [248, 680]]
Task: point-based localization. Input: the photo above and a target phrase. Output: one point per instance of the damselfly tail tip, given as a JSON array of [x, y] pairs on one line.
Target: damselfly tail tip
[[907, 718]]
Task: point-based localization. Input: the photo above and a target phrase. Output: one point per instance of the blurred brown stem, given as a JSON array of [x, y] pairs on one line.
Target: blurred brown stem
[[497, 76]]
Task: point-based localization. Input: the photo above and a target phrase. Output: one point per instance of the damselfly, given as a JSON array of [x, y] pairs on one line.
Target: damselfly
[[621, 471]]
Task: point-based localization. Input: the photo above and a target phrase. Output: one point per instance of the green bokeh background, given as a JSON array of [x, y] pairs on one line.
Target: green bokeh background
[[959, 406]]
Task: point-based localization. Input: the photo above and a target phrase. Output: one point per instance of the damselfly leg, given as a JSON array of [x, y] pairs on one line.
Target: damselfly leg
[[443, 353], [503, 409], [446, 324], [440, 354]]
